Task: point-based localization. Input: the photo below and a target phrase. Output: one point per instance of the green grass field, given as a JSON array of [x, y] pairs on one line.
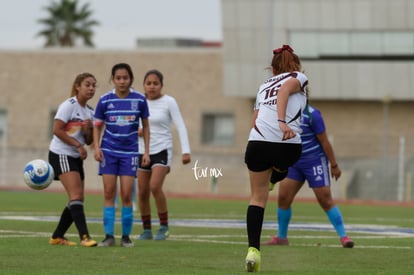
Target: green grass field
[[208, 236]]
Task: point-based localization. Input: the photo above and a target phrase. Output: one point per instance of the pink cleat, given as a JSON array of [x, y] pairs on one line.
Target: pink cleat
[[347, 242], [276, 241]]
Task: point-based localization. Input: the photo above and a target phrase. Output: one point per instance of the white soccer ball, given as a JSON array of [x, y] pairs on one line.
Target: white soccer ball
[[38, 174]]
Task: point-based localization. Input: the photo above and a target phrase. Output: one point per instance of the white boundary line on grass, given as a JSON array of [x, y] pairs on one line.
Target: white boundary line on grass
[[383, 231]]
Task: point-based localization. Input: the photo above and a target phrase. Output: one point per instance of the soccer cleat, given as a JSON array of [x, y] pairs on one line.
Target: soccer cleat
[[108, 241], [146, 235], [253, 260], [61, 241], [276, 241], [162, 233], [126, 242], [88, 242], [347, 242]]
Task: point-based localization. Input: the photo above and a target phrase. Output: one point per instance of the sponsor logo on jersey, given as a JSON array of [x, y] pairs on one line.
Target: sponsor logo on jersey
[[134, 105]]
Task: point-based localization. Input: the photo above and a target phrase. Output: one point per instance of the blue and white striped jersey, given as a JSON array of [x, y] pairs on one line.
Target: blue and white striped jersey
[[121, 118]]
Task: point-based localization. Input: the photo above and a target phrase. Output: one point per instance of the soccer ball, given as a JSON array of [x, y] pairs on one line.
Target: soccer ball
[[38, 174]]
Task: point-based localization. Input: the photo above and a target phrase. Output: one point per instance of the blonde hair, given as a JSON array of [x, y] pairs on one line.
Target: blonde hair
[[78, 80]]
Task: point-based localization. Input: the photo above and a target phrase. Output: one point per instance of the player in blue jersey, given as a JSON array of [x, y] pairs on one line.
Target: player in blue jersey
[[274, 140], [72, 129], [313, 166], [118, 114]]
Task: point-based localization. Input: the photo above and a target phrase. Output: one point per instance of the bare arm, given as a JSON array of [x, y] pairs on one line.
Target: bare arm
[[97, 141], [87, 130], [289, 87], [255, 113], [327, 148], [146, 135]]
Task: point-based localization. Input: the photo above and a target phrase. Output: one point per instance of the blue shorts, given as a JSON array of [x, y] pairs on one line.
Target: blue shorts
[[120, 166], [314, 171]]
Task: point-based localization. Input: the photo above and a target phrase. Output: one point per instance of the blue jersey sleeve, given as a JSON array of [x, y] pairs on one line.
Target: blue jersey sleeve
[[317, 124], [144, 109], [100, 110]]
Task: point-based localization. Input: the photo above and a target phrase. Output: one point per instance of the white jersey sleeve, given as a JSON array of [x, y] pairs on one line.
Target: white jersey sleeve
[[178, 121]]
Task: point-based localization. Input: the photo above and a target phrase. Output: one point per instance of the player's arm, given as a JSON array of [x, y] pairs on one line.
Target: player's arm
[[327, 148], [59, 131], [255, 113], [87, 129], [146, 135], [291, 86], [97, 130], [181, 129]]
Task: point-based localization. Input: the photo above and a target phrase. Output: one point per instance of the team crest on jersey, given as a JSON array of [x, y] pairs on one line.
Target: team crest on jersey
[[134, 105]]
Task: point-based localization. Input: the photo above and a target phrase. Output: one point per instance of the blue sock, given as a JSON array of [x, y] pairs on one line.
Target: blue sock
[[109, 220], [335, 217], [127, 219], [283, 219]]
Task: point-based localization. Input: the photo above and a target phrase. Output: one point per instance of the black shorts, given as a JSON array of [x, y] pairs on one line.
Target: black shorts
[[262, 155], [63, 164], [158, 159]]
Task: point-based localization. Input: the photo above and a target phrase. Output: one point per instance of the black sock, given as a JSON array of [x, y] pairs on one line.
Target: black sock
[[146, 221], [254, 220], [163, 218], [78, 215], [64, 223]]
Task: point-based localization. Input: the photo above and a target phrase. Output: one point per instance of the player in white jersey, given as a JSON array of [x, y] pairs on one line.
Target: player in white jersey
[[274, 140], [72, 129], [164, 110]]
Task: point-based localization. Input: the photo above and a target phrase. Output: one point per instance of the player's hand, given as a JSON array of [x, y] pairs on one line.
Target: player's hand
[[186, 158], [98, 154], [336, 172], [83, 154], [288, 133], [145, 161]]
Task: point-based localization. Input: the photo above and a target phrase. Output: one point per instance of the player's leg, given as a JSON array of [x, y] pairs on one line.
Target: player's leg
[[156, 184], [160, 170], [65, 221], [144, 177], [127, 172], [288, 188], [324, 197], [127, 213], [109, 183], [318, 178], [74, 185], [259, 186]]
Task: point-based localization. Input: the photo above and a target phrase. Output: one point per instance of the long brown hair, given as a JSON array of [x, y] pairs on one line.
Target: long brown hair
[[285, 60], [77, 82]]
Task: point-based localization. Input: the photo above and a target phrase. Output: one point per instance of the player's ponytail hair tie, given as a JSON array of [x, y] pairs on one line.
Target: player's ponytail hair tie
[[283, 48]]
